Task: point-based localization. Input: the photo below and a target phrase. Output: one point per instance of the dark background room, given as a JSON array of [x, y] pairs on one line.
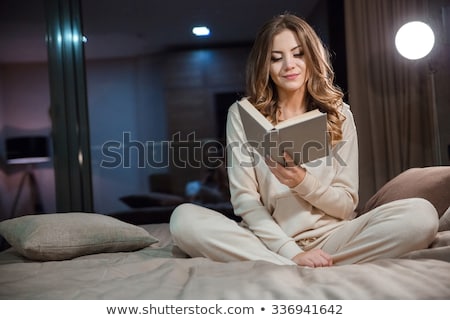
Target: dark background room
[[134, 78]]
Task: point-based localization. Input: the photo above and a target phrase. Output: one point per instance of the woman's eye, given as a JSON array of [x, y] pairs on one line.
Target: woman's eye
[[275, 59], [299, 54]]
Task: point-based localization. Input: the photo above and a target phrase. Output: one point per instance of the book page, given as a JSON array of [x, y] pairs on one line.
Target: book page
[[300, 118], [304, 137], [305, 141], [245, 105]]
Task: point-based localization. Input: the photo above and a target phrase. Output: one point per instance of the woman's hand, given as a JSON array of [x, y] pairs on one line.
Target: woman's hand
[[313, 258], [290, 175]]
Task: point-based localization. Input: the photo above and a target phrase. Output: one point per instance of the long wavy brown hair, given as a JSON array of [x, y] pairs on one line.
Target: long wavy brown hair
[[321, 92]]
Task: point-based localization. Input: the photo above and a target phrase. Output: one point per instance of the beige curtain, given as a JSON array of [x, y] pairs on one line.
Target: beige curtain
[[388, 94]]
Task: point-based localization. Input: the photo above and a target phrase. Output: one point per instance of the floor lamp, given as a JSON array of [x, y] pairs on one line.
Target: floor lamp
[[415, 40], [27, 151]]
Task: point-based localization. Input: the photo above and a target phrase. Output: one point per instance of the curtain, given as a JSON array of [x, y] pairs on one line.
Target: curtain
[[388, 94]]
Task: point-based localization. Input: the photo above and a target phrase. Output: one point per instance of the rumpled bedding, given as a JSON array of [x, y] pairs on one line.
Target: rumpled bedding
[[158, 273]]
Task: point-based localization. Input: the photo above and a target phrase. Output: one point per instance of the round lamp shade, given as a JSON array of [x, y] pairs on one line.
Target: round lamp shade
[[414, 40]]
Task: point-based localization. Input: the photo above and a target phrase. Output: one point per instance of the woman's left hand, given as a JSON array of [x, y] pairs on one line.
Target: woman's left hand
[[290, 175]]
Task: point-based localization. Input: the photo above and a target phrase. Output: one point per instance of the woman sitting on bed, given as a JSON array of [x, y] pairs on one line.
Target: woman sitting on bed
[[299, 215]]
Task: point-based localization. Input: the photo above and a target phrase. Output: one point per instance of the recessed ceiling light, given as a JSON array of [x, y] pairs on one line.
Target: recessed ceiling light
[[201, 31]]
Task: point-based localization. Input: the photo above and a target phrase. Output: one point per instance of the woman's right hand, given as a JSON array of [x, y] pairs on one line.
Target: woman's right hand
[[313, 258]]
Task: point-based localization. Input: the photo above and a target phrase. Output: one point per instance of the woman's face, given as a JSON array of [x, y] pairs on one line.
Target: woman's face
[[287, 67]]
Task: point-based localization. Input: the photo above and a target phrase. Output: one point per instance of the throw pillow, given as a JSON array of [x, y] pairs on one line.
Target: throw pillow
[[60, 236], [430, 183], [444, 221]]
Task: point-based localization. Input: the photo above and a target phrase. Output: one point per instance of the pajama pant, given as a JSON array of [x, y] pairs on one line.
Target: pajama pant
[[387, 231]]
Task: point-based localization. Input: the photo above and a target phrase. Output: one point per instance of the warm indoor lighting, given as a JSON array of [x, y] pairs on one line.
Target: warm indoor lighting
[[414, 40], [201, 31]]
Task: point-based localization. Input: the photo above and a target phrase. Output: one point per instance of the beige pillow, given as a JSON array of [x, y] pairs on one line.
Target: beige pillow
[[60, 236], [431, 183], [444, 221]]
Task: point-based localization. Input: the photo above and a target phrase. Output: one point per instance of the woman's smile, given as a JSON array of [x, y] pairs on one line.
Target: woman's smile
[[291, 76]]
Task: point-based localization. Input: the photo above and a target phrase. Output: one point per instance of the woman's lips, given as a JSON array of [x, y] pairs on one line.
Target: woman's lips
[[291, 76]]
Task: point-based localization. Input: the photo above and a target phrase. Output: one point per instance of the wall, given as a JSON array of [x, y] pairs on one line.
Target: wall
[[137, 102], [25, 111], [149, 98], [192, 79], [3, 184], [125, 97], [125, 104], [328, 21]]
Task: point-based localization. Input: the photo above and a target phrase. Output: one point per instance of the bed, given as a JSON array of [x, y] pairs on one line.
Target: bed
[[95, 256]]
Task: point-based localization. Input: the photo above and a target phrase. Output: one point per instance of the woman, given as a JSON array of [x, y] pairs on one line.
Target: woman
[[299, 215]]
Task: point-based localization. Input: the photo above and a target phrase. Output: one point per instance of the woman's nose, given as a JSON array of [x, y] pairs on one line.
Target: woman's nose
[[289, 62]]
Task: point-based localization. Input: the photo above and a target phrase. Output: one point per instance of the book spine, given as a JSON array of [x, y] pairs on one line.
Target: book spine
[[271, 146]]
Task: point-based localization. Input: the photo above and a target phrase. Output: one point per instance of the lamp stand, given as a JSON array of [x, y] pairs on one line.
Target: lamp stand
[[436, 139], [34, 189]]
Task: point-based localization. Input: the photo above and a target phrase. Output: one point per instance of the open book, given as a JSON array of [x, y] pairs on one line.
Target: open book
[[303, 137]]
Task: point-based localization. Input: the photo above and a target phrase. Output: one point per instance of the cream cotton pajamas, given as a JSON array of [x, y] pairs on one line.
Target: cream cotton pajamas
[[279, 222]]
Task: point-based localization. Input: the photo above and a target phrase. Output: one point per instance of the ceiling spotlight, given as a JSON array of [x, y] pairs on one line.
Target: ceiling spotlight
[[201, 31]]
